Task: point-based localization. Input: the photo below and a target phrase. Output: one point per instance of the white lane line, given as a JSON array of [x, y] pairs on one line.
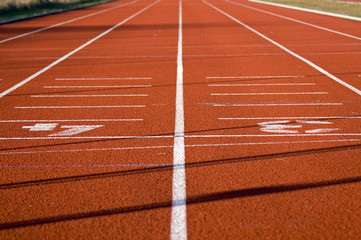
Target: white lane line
[[178, 228], [111, 86], [74, 51], [272, 104], [256, 94], [250, 77], [265, 84], [309, 10], [54, 107], [71, 120], [86, 165], [195, 145], [352, 88], [95, 79], [89, 137], [265, 118], [277, 135], [295, 20], [69, 21], [79, 96]]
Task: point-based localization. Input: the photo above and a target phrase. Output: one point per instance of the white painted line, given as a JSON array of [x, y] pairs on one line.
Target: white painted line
[[295, 20], [69, 21], [273, 104], [195, 145], [71, 120], [112, 86], [78, 96], [89, 137], [54, 107], [265, 84], [277, 135], [256, 94], [251, 77], [265, 118], [352, 88], [178, 228], [88, 150], [96, 79], [309, 10], [74, 51], [85, 165]]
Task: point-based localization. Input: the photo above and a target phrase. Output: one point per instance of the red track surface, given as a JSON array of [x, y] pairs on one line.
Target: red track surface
[[272, 145]]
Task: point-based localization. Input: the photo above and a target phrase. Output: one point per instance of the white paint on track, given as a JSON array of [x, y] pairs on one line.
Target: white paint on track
[[111, 86], [71, 120], [256, 94], [65, 107], [96, 79], [80, 96], [295, 20], [266, 84], [74, 51], [272, 104], [69, 21], [178, 228], [309, 10], [313, 117], [352, 88], [251, 77]]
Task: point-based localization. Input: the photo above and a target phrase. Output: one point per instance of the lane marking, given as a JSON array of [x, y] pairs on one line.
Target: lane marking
[[74, 51], [75, 129], [255, 94], [95, 79], [309, 10], [195, 145], [265, 84], [111, 86], [86, 165], [178, 228], [247, 77], [352, 88], [71, 120], [69, 21], [295, 20], [78, 96], [41, 127], [272, 104], [54, 107], [265, 118], [188, 136]]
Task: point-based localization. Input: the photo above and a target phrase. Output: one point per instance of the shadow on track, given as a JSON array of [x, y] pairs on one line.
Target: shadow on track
[[170, 167], [211, 197]]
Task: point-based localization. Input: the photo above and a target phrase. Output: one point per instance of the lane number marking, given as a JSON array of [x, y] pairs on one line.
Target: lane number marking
[[71, 130], [288, 128]]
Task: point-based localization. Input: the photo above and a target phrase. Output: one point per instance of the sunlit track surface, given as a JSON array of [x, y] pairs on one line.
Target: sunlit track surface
[[181, 119]]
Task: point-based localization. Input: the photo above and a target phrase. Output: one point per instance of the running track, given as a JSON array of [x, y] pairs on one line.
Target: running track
[[199, 119]]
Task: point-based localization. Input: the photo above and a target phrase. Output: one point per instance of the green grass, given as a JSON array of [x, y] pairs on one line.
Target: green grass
[[15, 9], [350, 9]]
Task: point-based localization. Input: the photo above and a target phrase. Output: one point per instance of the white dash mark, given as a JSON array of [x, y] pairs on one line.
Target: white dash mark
[[111, 86], [79, 96], [274, 104], [95, 79], [255, 94], [252, 77], [71, 120], [54, 107], [266, 84]]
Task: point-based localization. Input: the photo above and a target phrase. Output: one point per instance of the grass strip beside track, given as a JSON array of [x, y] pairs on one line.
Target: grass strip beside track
[[12, 12], [345, 8]]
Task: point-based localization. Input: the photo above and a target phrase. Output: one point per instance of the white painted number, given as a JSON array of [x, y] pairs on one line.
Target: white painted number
[[289, 127], [70, 130]]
